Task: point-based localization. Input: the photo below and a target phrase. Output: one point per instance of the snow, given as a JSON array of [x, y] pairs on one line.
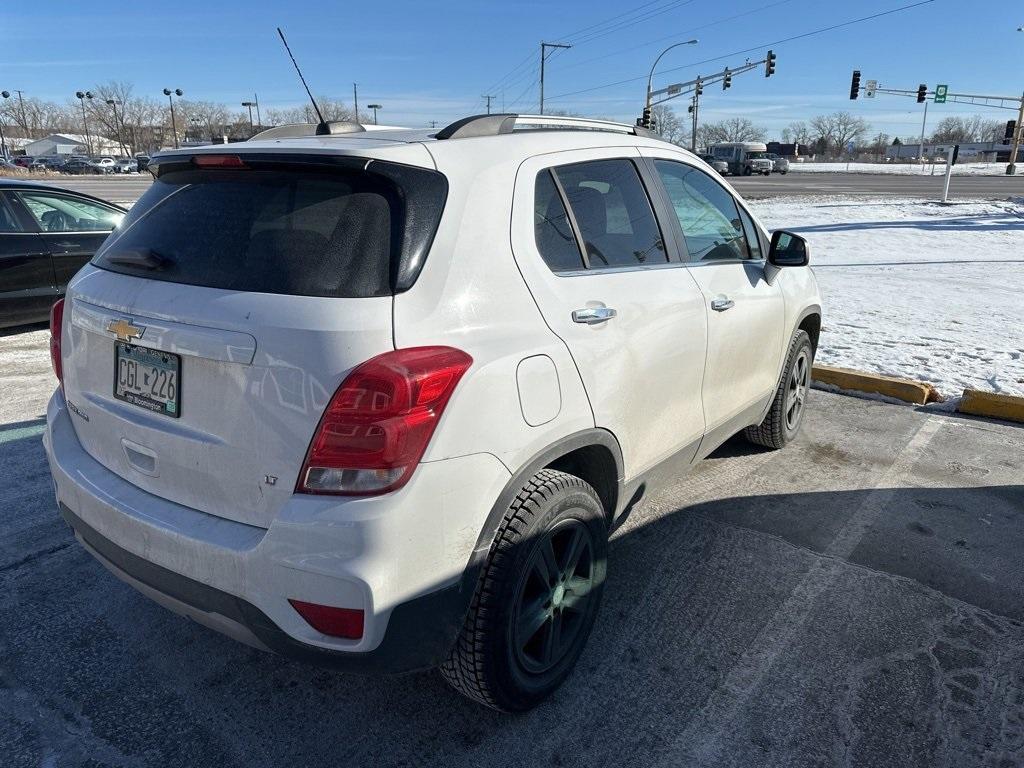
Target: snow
[[917, 289], [903, 169]]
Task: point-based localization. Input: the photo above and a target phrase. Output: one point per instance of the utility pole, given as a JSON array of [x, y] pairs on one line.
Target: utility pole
[[259, 120], [488, 102], [433, 123], [1018, 137], [355, 100], [543, 57]]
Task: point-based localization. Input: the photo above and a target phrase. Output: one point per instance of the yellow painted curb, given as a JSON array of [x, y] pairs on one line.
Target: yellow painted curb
[[916, 392], [978, 403]]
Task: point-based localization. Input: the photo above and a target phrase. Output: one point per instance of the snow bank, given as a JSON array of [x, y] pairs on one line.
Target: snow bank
[[917, 289], [960, 169]]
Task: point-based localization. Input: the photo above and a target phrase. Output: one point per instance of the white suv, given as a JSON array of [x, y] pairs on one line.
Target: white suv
[[376, 399]]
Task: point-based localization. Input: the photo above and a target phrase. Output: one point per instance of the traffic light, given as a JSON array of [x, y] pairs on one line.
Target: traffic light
[[922, 93], [699, 88], [727, 80], [855, 85], [1011, 128], [689, 109], [769, 64], [645, 121]]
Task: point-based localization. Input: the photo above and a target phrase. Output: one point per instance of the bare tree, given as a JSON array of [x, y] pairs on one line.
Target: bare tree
[[962, 130], [797, 133], [733, 129], [205, 120], [34, 118], [668, 125], [332, 109], [834, 132]]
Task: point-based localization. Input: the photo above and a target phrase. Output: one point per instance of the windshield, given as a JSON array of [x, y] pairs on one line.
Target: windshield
[[758, 155]]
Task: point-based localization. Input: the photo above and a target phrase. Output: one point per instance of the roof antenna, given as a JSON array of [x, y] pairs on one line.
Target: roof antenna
[[322, 128]]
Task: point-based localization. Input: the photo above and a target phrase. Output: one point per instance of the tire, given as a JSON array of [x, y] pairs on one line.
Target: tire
[[786, 413], [748, 171], [783, 172], [501, 658]]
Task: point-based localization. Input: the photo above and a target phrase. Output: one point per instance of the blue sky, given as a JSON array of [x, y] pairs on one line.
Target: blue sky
[[433, 61]]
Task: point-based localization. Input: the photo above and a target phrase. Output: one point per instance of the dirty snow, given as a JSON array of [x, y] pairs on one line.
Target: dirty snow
[[904, 169], [917, 289]]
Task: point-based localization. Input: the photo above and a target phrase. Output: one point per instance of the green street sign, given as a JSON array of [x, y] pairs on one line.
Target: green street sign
[[940, 93]]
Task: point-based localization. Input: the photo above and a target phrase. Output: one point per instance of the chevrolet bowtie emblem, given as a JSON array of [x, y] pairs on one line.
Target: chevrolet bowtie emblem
[[125, 331]]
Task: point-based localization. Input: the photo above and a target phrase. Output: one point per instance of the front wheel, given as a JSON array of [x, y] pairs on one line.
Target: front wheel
[[537, 598], [748, 171], [786, 413]]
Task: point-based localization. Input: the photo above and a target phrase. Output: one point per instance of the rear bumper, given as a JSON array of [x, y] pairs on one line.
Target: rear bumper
[[406, 559]]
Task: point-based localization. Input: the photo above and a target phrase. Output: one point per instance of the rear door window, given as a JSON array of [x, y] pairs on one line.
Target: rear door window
[[55, 212], [552, 230], [613, 214], [335, 232]]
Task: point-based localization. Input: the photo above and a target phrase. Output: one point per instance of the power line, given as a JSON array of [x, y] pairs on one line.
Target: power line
[[629, 23], [748, 50], [677, 35]]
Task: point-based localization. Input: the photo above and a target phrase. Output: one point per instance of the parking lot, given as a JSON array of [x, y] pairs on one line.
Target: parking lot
[[855, 599]]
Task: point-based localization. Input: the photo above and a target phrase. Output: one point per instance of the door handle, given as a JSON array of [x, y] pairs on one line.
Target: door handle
[[593, 315], [66, 244], [720, 305]]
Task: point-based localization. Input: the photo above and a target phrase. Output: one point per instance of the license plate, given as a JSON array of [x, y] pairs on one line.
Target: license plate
[[148, 378]]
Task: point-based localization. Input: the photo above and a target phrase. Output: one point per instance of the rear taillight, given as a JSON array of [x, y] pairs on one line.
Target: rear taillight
[[56, 322], [337, 622], [379, 422]]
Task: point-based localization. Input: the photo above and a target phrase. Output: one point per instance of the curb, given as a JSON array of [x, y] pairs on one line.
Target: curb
[[908, 391], [978, 403]]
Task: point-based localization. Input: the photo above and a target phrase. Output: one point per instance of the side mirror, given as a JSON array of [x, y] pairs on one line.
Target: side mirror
[[788, 250]]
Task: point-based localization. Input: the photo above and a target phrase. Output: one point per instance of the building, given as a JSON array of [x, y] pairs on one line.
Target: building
[[73, 144], [974, 152]]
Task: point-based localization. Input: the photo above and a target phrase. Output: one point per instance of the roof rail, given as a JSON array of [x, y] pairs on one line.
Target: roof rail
[[494, 125], [295, 130]]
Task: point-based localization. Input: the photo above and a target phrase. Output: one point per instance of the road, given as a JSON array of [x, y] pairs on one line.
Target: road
[[127, 189], [855, 599]]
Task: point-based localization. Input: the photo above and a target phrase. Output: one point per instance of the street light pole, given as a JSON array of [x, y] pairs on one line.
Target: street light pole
[[543, 57], [375, 107], [170, 100], [250, 105], [650, 77], [259, 120], [3, 141], [924, 121], [82, 96]]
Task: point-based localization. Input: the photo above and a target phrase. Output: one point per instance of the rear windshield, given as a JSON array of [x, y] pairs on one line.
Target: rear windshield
[[309, 231]]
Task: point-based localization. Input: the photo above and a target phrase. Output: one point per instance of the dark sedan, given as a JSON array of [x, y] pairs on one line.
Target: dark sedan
[[46, 235]]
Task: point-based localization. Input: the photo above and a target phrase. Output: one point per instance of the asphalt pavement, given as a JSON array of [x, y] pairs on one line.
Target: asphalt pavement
[[127, 189], [855, 599]]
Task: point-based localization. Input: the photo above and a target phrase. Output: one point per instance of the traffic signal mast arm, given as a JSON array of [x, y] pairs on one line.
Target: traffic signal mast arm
[[1005, 102], [682, 89]]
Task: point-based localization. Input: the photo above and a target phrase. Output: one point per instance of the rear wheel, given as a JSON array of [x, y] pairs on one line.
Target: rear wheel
[[537, 598], [787, 410]]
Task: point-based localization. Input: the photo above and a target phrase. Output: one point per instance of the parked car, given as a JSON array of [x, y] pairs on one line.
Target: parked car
[[104, 165], [142, 161], [127, 165], [719, 165], [743, 157], [22, 161], [46, 235], [78, 166], [779, 163], [384, 417]]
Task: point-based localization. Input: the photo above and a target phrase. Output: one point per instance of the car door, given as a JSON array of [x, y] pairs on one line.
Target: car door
[[27, 286], [745, 312], [73, 228], [589, 245]]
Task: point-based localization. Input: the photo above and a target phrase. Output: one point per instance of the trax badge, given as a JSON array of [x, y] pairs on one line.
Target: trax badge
[[125, 331]]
